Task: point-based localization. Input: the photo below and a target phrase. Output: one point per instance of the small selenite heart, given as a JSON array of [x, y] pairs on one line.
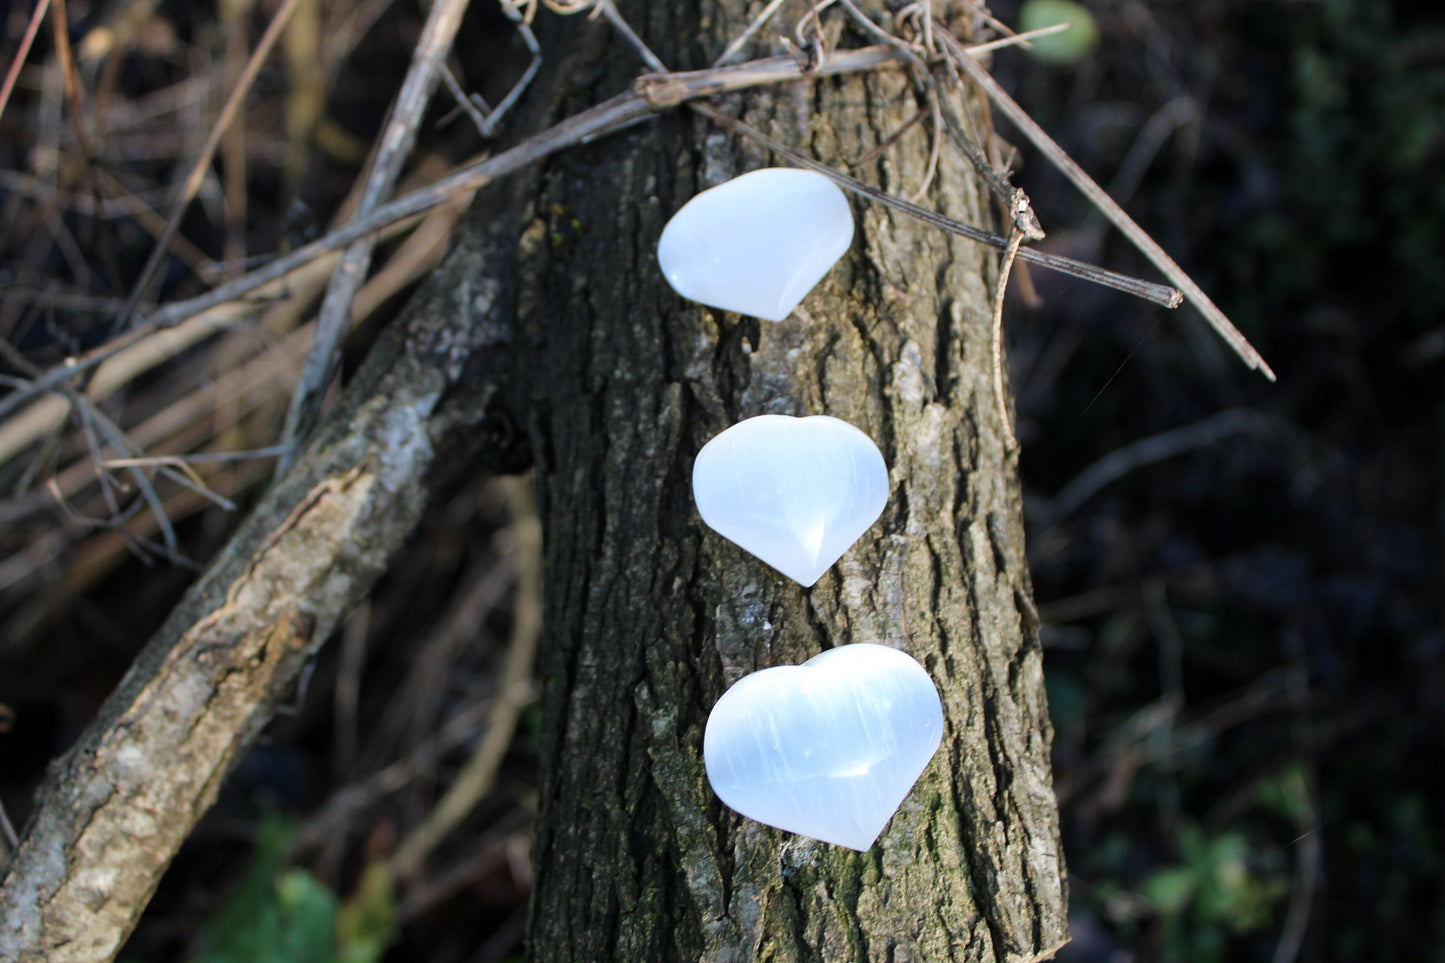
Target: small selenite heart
[[826, 749], [795, 492], [758, 243]]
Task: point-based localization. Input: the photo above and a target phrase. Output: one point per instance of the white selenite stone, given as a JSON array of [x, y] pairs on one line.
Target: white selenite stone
[[758, 243], [795, 492], [826, 749]]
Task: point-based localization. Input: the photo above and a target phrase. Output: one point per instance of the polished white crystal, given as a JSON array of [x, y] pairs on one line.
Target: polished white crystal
[[758, 243], [826, 749], [795, 492]]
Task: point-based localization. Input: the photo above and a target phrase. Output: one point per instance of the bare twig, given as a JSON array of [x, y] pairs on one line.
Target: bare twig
[[23, 51], [348, 688], [1158, 293], [201, 458], [356, 797], [752, 28], [1012, 199], [1147, 451], [1136, 234], [1299, 785], [1016, 237], [633, 40], [492, 851], [1015, 40], [235, 17], [651, 95], [935, 143], [7, 835], [395, 144], [485, 117]]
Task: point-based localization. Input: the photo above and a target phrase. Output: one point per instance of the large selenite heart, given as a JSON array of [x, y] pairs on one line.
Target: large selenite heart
[[758, 243], [795, 492], [826, 749]]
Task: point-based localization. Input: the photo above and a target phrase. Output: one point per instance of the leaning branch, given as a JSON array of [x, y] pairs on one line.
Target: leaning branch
[[117, 806]]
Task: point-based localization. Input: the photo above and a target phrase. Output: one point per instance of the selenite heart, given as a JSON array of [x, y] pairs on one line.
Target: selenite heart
[[826, 749], [758, 243], [795, 492]]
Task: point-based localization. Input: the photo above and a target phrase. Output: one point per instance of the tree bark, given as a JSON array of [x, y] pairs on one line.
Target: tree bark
[[551, 316], [650, 617]]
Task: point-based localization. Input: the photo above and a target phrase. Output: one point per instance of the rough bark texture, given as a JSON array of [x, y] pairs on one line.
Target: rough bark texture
[[615, 383], [117, 806], [650, 617]]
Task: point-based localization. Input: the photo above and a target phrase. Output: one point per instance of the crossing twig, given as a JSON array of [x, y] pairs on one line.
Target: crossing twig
[[1116, 214], [395, 144]]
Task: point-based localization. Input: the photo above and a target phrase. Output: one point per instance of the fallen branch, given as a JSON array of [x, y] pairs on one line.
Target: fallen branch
[[115, 809]]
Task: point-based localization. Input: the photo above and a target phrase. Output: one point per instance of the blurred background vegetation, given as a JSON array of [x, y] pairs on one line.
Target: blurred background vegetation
[[1241, 582]]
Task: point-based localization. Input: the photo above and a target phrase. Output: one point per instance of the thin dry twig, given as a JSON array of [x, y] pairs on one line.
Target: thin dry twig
[[652, 94], [752, 28], [485, 117], [477, 777], [1299, 786], [202, 163], [628, 34], [396, 141], [1016, 237], [1116, 214], [31, 29], [200, 458], [347, 701], [346, 802], [935, 147], [1160, 294], [1148, 451], [7, 835], [1013, 200]]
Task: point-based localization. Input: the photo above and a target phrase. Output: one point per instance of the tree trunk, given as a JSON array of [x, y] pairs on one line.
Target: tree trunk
[[615, 384], [649, 616]]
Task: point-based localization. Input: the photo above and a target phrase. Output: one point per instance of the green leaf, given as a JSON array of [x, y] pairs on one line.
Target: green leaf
[[280, 917], [366, 924], [1067, 47], [1171, 890]]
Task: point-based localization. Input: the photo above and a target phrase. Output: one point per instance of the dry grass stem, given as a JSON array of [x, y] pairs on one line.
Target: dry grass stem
[[1011, 442], [758, 22], [477, 777], [229, 110], [23, 51]]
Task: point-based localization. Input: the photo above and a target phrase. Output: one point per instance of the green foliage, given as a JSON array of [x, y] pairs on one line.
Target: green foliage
[[288, 916], [1362, 139], [1068, 47], [1212, 891], [366, 924]]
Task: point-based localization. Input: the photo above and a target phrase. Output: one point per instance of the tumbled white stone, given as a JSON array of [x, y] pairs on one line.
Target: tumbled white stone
[[826, 749], [795, 492], [758, 243]]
